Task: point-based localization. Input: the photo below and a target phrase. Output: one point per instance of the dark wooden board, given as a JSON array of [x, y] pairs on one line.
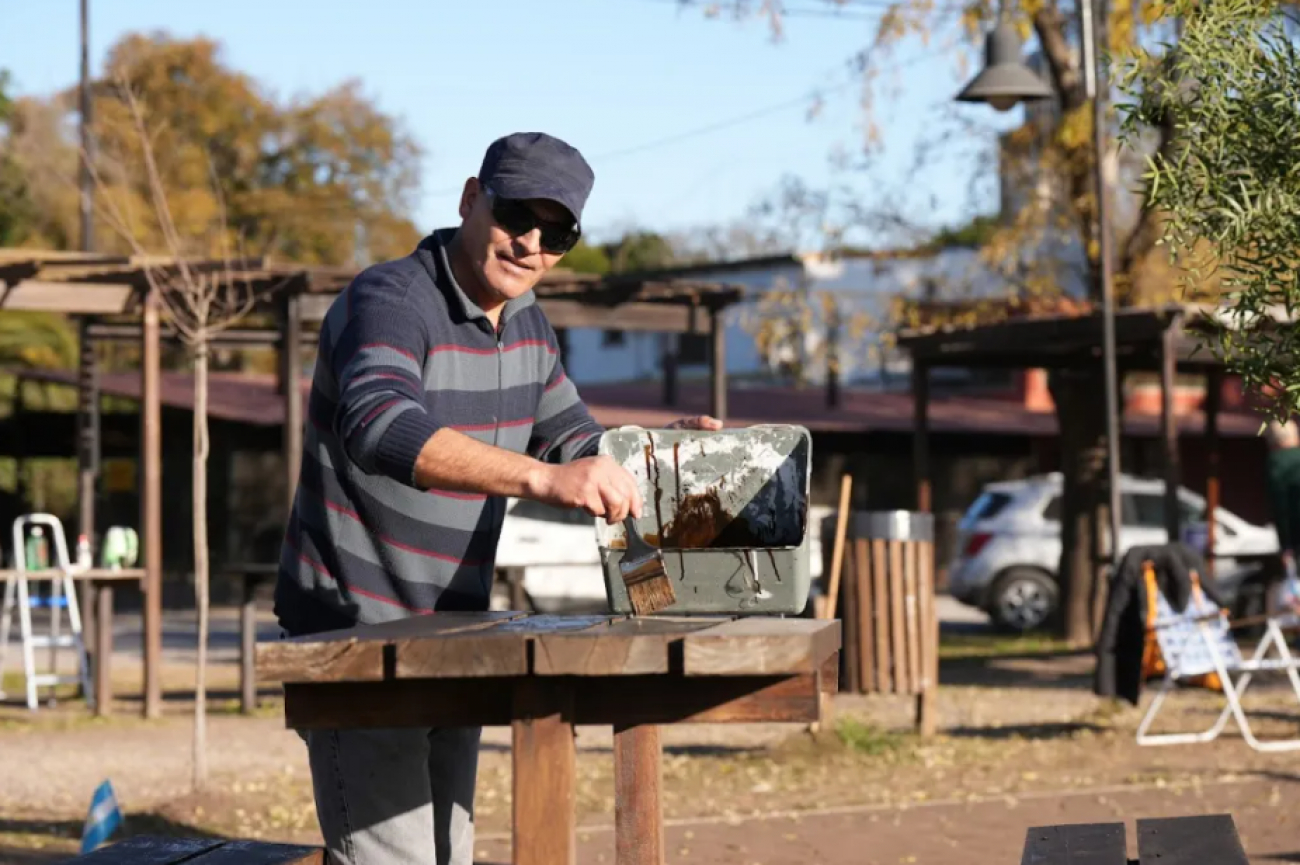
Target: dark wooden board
[[1078, 844], [260, 853], [1190, 841], [357, 654], [625, 647], [148, 850], [762, 646], [623, 700]]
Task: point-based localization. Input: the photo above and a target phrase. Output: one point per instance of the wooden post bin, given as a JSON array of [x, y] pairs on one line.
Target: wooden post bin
[[886, 603]]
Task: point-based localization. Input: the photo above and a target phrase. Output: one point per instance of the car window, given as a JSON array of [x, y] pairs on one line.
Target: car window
[[531, 510], [987, 506], [1147, 510]]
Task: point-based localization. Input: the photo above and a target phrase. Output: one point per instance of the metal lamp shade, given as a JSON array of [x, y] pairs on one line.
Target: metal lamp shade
[[1005, 79]]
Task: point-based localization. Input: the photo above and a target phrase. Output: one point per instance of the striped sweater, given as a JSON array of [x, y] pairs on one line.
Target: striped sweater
[[404, 352]]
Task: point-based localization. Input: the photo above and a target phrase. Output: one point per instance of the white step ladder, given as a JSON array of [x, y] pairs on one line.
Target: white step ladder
[[62, 595]]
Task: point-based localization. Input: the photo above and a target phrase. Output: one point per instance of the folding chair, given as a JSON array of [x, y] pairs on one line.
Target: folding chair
[[1198, 642]]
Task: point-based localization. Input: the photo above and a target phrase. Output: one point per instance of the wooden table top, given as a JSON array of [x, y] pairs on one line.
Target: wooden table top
[[498, 644], [125, 574]]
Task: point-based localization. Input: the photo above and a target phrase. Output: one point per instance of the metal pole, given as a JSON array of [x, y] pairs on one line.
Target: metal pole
[[1093, 29]]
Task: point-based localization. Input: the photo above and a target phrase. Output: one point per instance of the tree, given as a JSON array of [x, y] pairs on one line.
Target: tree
[[1229, 186], [1056, 155], [585, 258], [199, 304], [324, 179]]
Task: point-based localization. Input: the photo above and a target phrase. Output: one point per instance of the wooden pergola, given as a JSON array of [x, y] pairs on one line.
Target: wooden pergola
[[111, 300], [1164, 340]]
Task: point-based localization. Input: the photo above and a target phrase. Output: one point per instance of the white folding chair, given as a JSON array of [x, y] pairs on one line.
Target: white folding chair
[[1198, 641]]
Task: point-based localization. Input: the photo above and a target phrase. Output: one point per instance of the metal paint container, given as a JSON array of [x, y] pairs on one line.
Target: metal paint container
[[729, 509]]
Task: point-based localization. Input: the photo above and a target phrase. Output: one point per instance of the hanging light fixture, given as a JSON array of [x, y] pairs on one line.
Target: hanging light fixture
[[1005, 80]]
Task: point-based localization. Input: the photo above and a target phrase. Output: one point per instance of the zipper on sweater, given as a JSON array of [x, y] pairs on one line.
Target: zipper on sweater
[[501, 361]]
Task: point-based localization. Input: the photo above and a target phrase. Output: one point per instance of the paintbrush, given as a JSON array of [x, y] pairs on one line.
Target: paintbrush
[[648, 587]]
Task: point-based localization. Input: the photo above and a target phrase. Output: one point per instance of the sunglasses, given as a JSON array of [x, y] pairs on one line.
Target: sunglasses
[[518, 218]]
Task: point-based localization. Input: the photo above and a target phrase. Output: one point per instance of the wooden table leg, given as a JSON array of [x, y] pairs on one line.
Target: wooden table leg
[[543, 795], [638, 778], [103, 648], [247, 638]]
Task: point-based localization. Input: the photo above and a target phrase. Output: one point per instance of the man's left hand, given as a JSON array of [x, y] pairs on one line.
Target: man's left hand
[[700, 422]]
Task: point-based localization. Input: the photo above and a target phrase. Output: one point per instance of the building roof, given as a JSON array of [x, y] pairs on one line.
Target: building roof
[[253, 399]]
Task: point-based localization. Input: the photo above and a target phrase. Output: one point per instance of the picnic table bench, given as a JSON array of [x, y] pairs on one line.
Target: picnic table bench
[[154, 850], [542, 675], [1166, 841]]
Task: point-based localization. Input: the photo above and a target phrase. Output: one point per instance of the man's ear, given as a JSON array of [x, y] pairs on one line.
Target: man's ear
[[469, 196]]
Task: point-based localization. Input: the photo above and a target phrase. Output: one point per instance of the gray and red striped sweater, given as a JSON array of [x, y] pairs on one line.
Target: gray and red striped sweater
[[403, 353]]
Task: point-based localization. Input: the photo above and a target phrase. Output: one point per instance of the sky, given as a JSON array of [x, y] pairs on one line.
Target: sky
[[686, 120]]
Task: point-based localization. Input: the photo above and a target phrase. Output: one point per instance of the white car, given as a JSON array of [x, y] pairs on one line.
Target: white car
[[556, 548], [1009, 544]]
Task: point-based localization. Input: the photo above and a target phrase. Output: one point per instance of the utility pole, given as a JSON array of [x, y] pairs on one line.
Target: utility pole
[[87, 378]]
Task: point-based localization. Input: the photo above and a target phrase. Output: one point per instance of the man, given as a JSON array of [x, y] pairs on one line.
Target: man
[[438, 392]]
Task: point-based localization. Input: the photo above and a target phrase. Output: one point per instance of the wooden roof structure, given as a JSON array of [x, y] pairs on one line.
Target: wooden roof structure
[[87, 284], [1060, 341]]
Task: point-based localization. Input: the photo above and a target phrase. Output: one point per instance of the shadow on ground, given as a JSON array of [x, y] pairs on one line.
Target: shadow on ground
[[1032, 732]]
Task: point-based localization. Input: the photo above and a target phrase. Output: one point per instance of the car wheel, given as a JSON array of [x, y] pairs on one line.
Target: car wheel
[[1023, 599]]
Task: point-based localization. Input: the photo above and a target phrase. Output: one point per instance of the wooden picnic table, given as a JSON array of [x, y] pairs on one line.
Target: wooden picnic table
[[97, 623], [542, 675]]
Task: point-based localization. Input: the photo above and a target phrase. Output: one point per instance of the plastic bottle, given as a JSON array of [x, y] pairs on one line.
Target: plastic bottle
[[84, 557]]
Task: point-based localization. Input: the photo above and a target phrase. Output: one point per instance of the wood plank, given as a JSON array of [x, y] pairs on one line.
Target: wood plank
[[1189, 840], [357, 654], [912, 611], [626, 700], [898, 650], [260, 853], [126, 575], [863, 614], [543, 797], [638, 781], [149, 850], [761, 646], [880, 614], [634, 646], [1079, 844], [926, 701], [851, 622], [79, 298]]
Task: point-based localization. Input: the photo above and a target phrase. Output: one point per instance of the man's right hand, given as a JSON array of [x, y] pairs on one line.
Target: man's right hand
[[597, 485]]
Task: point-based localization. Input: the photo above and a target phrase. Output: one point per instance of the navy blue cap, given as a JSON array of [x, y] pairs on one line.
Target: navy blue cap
[[537, 165]]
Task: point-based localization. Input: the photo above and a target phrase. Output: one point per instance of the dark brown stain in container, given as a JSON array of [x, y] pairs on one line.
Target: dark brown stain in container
[[702, 523], [677, 505], [652, 464], [772, 558]]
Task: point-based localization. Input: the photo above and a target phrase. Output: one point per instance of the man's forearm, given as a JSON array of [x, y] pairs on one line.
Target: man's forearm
[[453, 461]]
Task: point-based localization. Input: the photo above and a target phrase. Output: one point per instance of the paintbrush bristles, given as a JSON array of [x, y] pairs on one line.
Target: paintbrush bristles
[[649, 589]]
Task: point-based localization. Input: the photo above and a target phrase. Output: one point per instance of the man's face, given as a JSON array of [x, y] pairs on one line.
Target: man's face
[[508, 264]]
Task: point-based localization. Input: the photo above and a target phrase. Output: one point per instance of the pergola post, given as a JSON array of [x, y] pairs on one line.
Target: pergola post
[[1169, 429], [921, 435], [1213, 397], [87, 468], [717, 365], [151, 501], [291, 373], [670, 341]]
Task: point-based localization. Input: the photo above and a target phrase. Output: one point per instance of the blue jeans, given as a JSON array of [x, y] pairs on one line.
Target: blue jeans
[[395, 796]]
